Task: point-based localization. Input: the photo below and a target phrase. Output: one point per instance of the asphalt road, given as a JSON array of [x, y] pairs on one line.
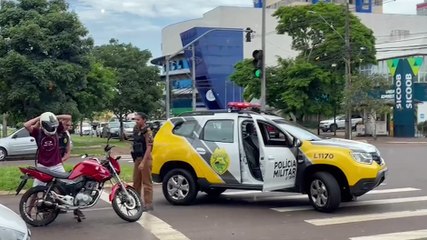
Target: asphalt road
[[397, 206]]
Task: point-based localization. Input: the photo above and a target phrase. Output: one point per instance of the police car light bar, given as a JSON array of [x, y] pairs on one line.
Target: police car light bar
[[242, 105]]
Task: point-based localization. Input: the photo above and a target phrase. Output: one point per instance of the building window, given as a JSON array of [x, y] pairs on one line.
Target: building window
[[219, 131]]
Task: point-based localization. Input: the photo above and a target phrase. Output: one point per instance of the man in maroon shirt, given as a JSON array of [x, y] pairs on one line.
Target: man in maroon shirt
[[46, 129]]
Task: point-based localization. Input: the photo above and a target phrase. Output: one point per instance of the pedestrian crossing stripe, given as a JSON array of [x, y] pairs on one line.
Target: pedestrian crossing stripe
[[304, 196], [358, 203], [366, 217], [418, 234]]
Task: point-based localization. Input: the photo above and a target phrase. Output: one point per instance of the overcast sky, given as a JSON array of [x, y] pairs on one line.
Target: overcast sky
[[140, 21]]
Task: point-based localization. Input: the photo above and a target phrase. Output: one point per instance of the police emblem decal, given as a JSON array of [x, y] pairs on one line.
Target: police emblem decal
[[220, 161]]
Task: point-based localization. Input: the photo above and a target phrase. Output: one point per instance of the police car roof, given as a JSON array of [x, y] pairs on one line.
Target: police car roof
[[213, 112]]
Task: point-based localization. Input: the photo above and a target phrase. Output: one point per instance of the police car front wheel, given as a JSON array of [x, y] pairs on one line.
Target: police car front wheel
[[179, 187], [324, 192]]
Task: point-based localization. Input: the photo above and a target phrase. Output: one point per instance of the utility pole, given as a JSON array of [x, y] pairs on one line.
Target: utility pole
[[193, 66], [263, 73], [348, 125]]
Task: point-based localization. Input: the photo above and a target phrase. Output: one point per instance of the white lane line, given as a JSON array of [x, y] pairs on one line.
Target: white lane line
[[241, 192], [304, 196], [418, 234], [357, 204], [366, 217], [155, 225]]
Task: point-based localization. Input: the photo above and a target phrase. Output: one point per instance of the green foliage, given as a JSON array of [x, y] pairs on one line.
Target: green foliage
[[318, 32], [364, 93], [293, 86], [137, 86], [99, 91], [43, 50]]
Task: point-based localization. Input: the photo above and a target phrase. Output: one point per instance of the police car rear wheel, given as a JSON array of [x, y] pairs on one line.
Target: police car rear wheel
[[324, 192], [179, 187]]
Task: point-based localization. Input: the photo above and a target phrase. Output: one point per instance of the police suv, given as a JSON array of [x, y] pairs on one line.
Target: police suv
[[214, 151]]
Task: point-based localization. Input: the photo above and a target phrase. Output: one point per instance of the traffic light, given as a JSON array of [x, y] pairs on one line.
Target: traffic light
[[257, 62]]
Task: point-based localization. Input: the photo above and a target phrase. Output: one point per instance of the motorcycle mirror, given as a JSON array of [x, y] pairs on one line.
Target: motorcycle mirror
[[85, 155]]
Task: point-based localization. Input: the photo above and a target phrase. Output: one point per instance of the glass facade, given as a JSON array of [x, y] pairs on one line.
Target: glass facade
[[216, 54]]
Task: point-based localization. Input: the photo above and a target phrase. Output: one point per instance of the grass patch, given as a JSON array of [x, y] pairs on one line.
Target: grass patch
[[10, 176], [94, 146]]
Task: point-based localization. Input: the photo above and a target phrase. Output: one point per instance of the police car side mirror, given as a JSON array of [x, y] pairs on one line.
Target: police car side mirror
[[297, 143]]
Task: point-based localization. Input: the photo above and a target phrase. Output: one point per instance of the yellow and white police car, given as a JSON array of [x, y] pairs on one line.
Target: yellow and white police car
[[215, 151]]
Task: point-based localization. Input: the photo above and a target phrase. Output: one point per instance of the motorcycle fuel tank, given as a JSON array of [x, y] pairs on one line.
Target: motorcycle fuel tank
[[90, 169]]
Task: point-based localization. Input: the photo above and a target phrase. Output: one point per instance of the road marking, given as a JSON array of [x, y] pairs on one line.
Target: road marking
[[304, 196], [96, 209], [366, 217], [357, 204], [155, 225], [241, 192], [418, 234]]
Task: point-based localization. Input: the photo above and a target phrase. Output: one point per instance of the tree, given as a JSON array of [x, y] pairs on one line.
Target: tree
[[297, 87], [317, 33], [43, 49], [98, 93], [137, 86], [364, 96]]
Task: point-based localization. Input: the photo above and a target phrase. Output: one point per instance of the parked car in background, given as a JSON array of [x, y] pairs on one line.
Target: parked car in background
[[330, 125], [128, 129], [111, 129], [100, 129], [19, 143], [12, 226]]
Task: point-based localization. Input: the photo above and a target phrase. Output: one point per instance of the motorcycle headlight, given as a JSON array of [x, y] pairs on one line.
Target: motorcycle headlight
[[362, 157], [11, 234]]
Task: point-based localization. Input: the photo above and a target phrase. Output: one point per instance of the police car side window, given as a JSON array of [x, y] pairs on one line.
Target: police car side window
[[185, 129], [272, 136], [219, 131]]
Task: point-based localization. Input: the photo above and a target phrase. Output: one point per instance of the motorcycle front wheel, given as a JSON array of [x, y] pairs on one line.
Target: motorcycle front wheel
[[128, 208], [34, 211]]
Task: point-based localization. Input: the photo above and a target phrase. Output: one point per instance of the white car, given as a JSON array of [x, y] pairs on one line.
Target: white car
[[330, 125], [20, 143], [12, 226]]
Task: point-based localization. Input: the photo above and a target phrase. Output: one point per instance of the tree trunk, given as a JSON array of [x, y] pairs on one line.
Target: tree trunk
[[318, 124], [121, 127], [335, 119], [81, 127], [4, 124]]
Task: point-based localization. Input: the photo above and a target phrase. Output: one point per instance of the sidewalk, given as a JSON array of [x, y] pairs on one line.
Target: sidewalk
[[379, 140]]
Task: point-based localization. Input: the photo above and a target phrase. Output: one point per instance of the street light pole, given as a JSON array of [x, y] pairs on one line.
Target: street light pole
[[193, 86], [347, 59], [348, 125], [263, 73]]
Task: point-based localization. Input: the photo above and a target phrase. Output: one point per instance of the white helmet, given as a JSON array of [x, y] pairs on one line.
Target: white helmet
[[49, 123]]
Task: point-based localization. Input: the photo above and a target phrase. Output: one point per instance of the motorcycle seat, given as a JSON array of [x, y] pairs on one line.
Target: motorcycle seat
[[62, 175]]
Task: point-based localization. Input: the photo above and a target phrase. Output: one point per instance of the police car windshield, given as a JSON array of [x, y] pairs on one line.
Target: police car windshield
[[297, 131]]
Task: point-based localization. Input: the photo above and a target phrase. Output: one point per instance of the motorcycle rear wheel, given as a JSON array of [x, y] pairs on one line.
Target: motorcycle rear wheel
[[30, 201], [124, 206]]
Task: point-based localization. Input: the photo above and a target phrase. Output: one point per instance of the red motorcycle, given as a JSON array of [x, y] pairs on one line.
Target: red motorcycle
[[79, 189]]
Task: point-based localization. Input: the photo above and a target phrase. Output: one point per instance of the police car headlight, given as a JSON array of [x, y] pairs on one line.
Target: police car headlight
[[362, 157], [7, 233]]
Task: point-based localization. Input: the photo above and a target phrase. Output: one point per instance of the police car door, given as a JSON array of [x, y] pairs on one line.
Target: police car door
[[278, 164]]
